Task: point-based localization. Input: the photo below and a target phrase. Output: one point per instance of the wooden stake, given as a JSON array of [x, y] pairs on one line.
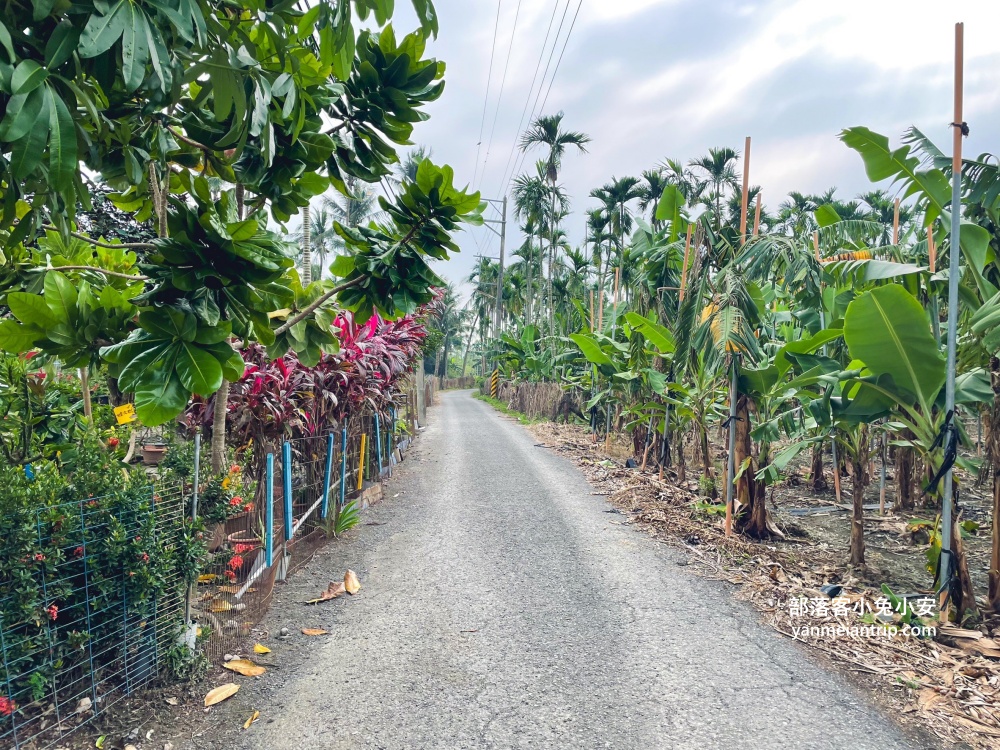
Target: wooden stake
[[600, 310], [756, 217], [836, 472], [956, 159], [687, 255], [895, 224], [746, 187], [591, 310], [88, 411], [931, 248], [816, 245]]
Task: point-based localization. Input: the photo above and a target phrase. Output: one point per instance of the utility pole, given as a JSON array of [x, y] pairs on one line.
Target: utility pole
[[503, 241], [502, 234]]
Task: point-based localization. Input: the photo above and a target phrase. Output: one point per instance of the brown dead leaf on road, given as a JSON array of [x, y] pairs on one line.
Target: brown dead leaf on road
[[315, 631], [253, 717], [351, 582], [244, 667], [335, 589], [221, 693]]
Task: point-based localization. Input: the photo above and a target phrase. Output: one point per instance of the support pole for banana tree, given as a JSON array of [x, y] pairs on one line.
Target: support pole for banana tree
[[591, 310], [614, 331], [895, 223], [756, 217], [684, 269], [935, 310], [731, 464], [958, 124], [746, 186], [822, 323]]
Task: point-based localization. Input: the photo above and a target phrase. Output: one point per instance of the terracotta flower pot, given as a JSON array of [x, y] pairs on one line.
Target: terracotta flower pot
[[153, 454]]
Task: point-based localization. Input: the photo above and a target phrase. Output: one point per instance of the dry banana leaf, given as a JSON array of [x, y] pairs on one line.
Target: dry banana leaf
[[315, 631], [221, 693], [244, 667], [253, 717], [351, 582], [335, 589]]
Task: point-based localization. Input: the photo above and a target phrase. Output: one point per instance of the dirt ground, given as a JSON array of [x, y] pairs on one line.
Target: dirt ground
[[948, 685]]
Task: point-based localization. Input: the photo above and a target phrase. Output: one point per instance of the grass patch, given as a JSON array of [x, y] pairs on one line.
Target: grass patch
[[502, 407]]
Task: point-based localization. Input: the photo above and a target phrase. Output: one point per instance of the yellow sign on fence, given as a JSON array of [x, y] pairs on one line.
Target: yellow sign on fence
[[495, 383], [125, 413]]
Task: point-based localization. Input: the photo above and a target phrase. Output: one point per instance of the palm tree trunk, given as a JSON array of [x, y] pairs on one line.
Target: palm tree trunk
[[552, 260], [993, 456], [307, 261]]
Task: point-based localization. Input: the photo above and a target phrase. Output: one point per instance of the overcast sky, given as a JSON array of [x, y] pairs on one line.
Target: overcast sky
[[650, 79]]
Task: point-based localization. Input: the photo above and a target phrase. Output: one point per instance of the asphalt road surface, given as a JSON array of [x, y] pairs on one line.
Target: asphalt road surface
[[503, 607]]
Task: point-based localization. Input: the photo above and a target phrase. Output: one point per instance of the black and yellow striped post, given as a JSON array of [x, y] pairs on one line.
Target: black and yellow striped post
[[495, 383]]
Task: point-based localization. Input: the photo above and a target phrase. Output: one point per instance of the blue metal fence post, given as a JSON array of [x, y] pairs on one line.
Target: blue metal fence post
[[10, 693], [378, 443], [329, 471], [269, 513], [389, 435], [343, 467], [86, 595], [286, 484]]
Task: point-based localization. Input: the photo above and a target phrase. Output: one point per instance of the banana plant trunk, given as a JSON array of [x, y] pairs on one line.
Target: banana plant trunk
[[750, 497], [859, 468], [817, 479], [993, 456], [904, 474]]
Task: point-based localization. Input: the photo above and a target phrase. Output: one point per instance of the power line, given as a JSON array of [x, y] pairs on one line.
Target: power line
[[538, 66], [561, 53], [535, 112], [503, 82], [486, 99]]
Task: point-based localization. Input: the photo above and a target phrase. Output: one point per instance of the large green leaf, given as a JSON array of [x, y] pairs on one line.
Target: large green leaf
[[16, 338], [63, 161], [102, 31], [654, 333], [591, 349], [60, 296], [161, 400], [31, 309], [887, 329], [199, 371]]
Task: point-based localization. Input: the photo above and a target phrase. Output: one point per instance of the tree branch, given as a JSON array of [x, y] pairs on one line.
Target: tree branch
[[313, 306], [98, 270], [184, 139], [105, 245]]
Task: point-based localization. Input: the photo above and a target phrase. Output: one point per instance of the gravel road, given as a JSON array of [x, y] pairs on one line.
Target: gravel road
[[504, 606]]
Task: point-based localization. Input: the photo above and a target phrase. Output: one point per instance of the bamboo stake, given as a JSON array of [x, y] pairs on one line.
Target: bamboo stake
[[895, 224], [88, 411], [746, 187], [361, 461], [600, 310], [614, 330], [833, 446], [931, 249], [816, 245], [756, 218], [958, 125], [687, 256], [591, 310]]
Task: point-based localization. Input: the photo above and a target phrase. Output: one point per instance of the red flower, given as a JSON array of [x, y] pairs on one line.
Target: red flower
[[138, 539], [113, 442], [241, 548], [144, 557], [235, 469], [7, 706], [248, 507], [78, 552], [39, 557], [235, 562], [40, 374], [236, 501], [230, 575], [53, 611], [91, 503]]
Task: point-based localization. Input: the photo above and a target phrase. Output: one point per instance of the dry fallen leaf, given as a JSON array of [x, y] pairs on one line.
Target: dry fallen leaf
[[244, 667], [253, 717], [207, 578], [351, 582], [172, 701], [259, 649], [315, 631], [221, 605], [235, 589], [219, 694], [335, 589], [83, 706]]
